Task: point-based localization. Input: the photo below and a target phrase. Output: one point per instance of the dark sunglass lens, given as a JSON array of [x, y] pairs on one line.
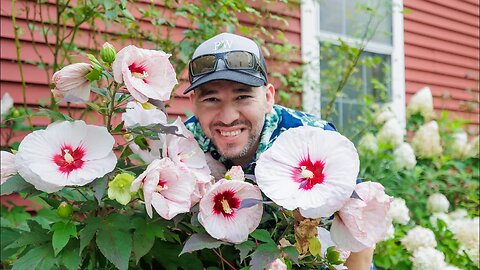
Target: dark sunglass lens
[[239, 60], [203, 64]]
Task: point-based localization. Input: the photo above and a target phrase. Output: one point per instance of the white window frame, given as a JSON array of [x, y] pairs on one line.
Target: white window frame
[[310, 42]]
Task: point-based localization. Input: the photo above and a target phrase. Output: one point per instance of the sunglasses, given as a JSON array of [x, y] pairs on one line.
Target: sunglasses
[[233, 60]]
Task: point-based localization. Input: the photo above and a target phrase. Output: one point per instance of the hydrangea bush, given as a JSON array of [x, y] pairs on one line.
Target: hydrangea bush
[[432, 170], [138, 192]]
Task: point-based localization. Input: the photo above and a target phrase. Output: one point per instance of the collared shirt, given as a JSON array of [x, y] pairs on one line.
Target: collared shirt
[[276, 122]]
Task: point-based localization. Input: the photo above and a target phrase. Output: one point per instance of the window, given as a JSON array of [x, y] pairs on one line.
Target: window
[[381, 69]]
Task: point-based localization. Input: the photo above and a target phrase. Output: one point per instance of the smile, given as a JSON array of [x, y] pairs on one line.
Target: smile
[[230, 133]]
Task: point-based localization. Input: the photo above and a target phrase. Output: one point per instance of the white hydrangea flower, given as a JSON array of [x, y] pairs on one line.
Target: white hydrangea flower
[[368, 144], [428, 258], [391, 133], [451, 267], [459, 213], [399, 211], [443, 216], [474, 147], [474, 255], [422, 103], [459, 146], [467, 232], [419, 237], [426, 141], [404, 157], [438, 203], [384, 114]]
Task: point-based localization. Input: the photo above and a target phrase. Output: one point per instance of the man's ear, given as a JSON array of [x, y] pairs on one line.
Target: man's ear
[[270, 97], [192, 97]]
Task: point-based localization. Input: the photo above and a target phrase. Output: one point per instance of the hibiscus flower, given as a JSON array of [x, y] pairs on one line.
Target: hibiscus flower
[[362, 222], [220, 212], [65, 154], [71, 83], [8, 168], [146, 73], [166, 187], [309, 168]]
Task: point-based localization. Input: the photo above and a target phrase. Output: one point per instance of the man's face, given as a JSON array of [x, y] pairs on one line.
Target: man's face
[[232, 116]]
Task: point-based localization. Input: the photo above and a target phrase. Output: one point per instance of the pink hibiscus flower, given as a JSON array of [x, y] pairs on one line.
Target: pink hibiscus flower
[[146, 73], [8, 167], [65, 154], [362, 223], [309, 168], [220, 214], [166, 187]]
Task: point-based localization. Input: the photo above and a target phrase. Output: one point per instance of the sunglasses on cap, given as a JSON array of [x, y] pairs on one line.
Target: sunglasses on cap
[[235, 60]]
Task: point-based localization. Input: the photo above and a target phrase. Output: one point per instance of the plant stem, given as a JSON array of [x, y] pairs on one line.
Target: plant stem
[[223, 260], [19, 62]]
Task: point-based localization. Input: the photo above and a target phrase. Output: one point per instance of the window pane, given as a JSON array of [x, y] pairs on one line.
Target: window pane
[[332, 16]]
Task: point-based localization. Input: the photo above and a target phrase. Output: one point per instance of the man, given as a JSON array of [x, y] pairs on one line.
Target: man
[[233, 103]]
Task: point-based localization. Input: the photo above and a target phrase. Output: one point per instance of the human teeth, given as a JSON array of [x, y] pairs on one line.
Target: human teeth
[[230, 133]]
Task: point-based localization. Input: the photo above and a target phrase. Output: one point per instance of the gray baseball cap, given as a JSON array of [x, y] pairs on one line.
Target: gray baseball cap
[[224, 43]]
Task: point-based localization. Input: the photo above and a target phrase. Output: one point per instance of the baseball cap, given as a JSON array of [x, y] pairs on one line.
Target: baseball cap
[[224, 45]]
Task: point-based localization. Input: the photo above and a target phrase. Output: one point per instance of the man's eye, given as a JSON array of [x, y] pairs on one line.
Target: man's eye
[[212, 99], [243, 97]]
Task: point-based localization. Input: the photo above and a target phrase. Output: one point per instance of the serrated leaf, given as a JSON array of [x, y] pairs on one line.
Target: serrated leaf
[[263, 256], [15, 184], [200, 241], [262, 235], [69, 256], [292, 253], [115, 244], [100, 186], [245, 248], [33, 257], [61, 235], [36, 236], [143, 239], [87, 233]]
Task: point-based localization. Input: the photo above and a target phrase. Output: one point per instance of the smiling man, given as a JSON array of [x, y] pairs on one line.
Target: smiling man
[[235, 118]]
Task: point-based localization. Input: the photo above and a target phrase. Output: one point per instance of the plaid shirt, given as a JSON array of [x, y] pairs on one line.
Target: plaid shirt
[[276, 122]]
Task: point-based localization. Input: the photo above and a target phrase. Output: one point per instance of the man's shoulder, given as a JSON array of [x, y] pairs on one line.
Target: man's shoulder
[[290, 118]]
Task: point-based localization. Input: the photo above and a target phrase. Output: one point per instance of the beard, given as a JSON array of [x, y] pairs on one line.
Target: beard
[[230, 152]]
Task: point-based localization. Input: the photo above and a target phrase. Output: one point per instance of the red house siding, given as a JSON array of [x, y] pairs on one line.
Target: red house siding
[[442, 51], [37, 79]]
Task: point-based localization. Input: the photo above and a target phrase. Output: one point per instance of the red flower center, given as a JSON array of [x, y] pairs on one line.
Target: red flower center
[[225, 203], [309, 173], [69, 159], [138, 71], [162, 185]]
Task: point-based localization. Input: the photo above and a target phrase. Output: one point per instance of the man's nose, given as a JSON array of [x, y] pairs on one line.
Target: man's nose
[[228, 114]]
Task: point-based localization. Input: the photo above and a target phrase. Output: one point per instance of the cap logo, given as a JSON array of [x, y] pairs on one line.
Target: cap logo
[[227, 44]]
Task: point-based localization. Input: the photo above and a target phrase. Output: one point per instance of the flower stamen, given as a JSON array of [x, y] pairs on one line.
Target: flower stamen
[[306, 173], [140, 75], [68, 158], [226, 207]]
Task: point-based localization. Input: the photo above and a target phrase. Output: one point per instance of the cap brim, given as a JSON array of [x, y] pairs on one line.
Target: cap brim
[[229, 75]]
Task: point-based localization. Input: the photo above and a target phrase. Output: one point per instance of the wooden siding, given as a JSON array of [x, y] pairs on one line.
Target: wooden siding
[[442, 51], [37, 79]]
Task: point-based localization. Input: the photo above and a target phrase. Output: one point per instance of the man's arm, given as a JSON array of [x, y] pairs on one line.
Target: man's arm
[[360, 260]]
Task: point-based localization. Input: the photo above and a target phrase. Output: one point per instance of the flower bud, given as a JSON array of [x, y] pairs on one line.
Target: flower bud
[[64, 210], [108, 53]]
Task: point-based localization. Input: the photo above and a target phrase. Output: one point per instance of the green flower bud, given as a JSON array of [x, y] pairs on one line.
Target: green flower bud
[[108, 53], [64, 210]]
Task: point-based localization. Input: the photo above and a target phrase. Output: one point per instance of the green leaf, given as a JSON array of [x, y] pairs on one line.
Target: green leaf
[[245, 248], [314, 246], [87, 233], [55, 115], [262, 235], [200, 241], [264, 255], [115, 243], [15, 184], [100, 186], [94, 75], [292, 253], [61, 235], [34, 257], [8, 236], [36, 236], [69, 255], [143, 239]]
